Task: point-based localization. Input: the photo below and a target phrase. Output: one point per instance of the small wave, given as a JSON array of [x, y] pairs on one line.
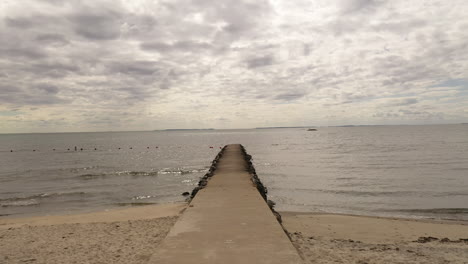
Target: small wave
[[445, 194], [91, 176], [134, 204], [394, 193], [435, 211], [142, 197], [351, 192], [180, 171], [30, 202], [186, 181], [34, 199], [42, 195], [137, 173], [368, 193], [459, 169], [81, 168]]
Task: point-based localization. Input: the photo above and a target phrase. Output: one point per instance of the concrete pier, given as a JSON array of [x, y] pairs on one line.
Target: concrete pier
[[227, 222]]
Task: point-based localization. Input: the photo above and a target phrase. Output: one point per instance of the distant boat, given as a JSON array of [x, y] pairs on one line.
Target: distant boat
[[311, 129]]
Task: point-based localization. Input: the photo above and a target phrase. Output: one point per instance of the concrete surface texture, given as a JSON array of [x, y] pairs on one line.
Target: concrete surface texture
[[227, 222]]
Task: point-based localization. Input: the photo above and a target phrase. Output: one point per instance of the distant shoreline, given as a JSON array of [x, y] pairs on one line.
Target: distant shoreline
[[210, 129]]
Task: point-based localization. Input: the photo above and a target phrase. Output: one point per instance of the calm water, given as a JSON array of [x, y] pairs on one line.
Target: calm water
[[409, 171]]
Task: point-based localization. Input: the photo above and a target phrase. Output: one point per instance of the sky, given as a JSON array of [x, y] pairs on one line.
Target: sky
[[102, 65]]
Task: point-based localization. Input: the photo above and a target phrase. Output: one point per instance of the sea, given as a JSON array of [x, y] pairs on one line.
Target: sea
[[394, 171]]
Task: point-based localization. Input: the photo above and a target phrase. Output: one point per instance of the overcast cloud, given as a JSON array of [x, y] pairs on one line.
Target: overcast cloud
[[96, 65]]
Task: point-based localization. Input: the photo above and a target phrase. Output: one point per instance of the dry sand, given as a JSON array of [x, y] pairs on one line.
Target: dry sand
[[132, 235], [331, 238], [115, 236]]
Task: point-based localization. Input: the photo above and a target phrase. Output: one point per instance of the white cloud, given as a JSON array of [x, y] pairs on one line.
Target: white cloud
[[110, 65]]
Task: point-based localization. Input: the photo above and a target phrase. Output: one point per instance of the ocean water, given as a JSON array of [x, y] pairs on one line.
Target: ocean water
[[400, 171]]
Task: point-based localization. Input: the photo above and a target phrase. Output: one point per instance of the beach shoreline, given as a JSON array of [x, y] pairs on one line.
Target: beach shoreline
[[102, 216], [131, 235]]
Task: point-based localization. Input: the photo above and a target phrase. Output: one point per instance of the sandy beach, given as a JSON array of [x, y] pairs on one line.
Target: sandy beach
[[115, 236], [131, 236], [332, 238]]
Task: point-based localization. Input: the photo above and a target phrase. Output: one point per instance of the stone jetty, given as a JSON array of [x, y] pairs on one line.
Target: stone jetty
[[228, 220]]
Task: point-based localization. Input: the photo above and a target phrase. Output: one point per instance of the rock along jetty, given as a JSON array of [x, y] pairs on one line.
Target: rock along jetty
[[228, 220]]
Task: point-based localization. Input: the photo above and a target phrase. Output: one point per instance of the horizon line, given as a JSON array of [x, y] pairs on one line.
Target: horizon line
[[209, 129]]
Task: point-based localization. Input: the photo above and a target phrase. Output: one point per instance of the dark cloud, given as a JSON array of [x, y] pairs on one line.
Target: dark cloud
[[400, 73], [344, 26], [54, 39], [34, 20], [425, 115], [54, 2], [133, 94], [359, 16], [171, 76], [353, 6], [184, 46], [401, 102], [104, 25], [290, 96], [30, 52], [134, 67], [240, 17], [19, 22], [47, 88], [306, 49], [453, 83], [35, 95], [259, 61], [51, 69], [7, 89], [399, 27]]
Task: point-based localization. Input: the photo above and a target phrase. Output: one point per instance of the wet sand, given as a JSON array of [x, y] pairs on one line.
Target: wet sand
[[132, 235]]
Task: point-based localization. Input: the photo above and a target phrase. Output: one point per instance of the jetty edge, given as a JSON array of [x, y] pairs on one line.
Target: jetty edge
[[228, 219], [254, 177]]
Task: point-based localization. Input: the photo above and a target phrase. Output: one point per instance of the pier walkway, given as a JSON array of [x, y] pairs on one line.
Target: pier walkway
[[227, 222]]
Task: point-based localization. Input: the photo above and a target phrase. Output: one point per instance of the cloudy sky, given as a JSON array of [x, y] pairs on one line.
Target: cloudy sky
[[103, 65]]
